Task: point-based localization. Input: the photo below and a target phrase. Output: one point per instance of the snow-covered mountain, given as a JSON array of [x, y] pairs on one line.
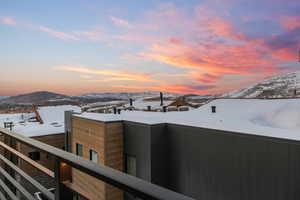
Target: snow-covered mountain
[[284, 85]]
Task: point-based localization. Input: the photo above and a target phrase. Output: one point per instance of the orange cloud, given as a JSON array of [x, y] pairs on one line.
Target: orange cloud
[[189, 62], [120, 74], [7, 20]]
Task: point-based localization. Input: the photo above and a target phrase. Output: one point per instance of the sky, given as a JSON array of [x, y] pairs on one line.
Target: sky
[[184, 46]]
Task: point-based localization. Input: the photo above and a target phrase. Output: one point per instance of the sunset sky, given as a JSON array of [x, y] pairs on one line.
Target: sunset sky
[[184, 46]]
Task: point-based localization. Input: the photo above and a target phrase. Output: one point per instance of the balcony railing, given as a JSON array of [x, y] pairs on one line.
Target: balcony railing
[[135, 186]]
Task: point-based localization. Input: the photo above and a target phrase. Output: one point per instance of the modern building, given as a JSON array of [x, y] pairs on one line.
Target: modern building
[[234, 152], [31, 149]]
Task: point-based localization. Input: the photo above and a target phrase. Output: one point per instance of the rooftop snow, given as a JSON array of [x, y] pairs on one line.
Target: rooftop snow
[[52, 116], [274, 118]]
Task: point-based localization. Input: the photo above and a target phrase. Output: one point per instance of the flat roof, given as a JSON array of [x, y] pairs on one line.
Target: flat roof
[[272, 118], [52, 116]]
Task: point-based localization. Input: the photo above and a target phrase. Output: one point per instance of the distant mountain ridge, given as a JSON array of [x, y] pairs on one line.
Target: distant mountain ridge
[[281, 86], [34, 98], [127, 95], [50, 98]]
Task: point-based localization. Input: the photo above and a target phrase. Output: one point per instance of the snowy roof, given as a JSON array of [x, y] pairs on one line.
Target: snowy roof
[[273, 118], [52, 116]]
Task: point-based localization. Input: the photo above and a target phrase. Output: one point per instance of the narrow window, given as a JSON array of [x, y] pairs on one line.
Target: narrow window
[[93, 156], [131, 165], [79, 150], [34, 155]]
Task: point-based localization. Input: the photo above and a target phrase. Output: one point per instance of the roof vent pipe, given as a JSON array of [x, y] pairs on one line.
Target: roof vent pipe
[[8, 125], [164, 108], [161, 99], [115, 110], [130, 102], [213, 109]]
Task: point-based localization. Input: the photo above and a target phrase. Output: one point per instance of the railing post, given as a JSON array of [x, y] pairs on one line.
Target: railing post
[[61, 191], [12, 143]]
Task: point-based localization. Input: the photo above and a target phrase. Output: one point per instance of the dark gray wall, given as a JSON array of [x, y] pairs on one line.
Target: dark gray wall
[[159, 154], [211, 164], [137, 142], [68, 130]]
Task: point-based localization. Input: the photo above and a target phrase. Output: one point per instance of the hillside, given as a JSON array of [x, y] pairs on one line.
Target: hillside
[[282, 86], [35, 98]]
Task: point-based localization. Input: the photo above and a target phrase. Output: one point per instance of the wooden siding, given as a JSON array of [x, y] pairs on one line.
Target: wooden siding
[[56, 140], [107, 140]]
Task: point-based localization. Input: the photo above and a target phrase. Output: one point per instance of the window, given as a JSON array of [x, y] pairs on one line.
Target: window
[[34, 155], [79, 149], [94, 156], [77, 196], [131, 165]]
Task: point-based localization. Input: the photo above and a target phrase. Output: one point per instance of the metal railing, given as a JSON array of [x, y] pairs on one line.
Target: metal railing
[[127, 183]]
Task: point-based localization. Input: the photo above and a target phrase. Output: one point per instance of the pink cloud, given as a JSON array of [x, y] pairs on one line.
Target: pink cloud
[[57, 34], [206, 78], [223, 28], [203, 42], [285, 54], [121, 22], [90, 35], [212, 57], [290, 22], [7, 20]]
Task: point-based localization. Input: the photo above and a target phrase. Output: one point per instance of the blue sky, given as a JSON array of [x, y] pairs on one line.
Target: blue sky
[[203, 47]]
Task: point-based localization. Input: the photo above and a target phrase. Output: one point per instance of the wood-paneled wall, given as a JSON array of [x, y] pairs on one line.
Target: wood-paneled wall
[[107, 140], [55, 140]]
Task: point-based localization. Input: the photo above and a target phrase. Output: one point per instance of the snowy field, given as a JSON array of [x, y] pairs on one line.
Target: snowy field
[[275, 118]]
